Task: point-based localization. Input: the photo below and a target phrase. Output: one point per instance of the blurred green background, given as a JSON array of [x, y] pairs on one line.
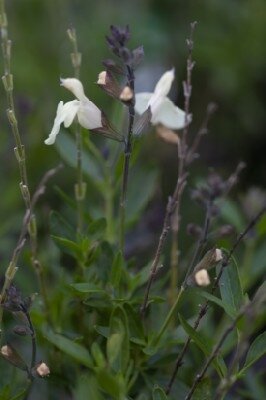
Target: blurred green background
[[230, 70]]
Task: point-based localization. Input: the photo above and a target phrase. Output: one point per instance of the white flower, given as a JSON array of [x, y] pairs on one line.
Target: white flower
[[88, 114], [163, 109]]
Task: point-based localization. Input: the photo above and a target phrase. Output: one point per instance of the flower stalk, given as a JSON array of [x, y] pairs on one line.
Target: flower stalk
[[80, 186]]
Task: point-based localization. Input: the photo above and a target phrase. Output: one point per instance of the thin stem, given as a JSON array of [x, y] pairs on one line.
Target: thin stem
[[80, 186], [127, 155], [204, 307], [169, 317], [12, 268], [182, 155], [201, 242], [172, 201]]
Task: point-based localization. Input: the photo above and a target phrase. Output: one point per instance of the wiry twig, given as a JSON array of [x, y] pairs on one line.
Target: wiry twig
[[11, 270], [204, 307], [166, 227], [203, 130]]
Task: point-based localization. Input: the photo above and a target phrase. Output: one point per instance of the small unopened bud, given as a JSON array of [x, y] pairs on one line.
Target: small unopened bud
[[218, 255], [126, 94], [202, 278], [211, 258], [167, 135], [102, 78], [225, 230], [194, 230], [6, 351], [12, 356], [21, 330], [42, 370]]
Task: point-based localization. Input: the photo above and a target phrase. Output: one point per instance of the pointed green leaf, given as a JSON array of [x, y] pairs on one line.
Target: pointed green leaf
[[158, 393], [230, 287], [116, 271], [118, 340], [256, 351], [203, 390], [227, 308], [66, 146], [204, 345], [67, 346]]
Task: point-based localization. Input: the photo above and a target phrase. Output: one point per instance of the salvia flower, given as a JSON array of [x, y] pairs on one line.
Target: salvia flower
[[163, 110], [88, 114]]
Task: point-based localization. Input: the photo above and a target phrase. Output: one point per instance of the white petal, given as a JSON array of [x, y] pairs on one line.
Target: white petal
[[75, 86], [169, 115], [164, 84], [89, 115], [65, 113], [57, 122], [142, 100], [70, 110]]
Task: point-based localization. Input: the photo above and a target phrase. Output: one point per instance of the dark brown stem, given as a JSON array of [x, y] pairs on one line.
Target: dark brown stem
[[127, 156]]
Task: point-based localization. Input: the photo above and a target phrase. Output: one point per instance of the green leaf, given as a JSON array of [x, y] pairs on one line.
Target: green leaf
[[97, 229], [67, 346], [139, 196], [203, 390], [97, 354], [256, 351], [109, 383], [67, 245], [59, 226], [158, 393], [230, 212], [87, 288], [87, 388], [204, 345], [116, 270], [118, 340], [230, 286], [227, 308], [66, 146]]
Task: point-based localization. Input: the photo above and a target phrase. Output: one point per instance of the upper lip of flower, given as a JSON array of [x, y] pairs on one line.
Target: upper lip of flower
[[163, 109], [88, 114]]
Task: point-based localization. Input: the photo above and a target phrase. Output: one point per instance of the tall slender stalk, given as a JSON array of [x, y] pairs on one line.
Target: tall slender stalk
[[80, 186], [19, 149], [182, 155], [127, 155]]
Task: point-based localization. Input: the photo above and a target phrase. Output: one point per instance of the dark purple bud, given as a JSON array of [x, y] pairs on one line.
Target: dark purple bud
[[225, 230], [194, 230], [21, 330], [137, 56], [112, 67], [126, 55]]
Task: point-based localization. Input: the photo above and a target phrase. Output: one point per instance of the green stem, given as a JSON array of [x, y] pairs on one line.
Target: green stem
[[80, 186], [169, 317]]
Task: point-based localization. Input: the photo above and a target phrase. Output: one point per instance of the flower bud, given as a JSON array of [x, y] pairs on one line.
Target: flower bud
[[202, 278], [211, 258], [42, 370], [194, 230], [167, 134], [102, 78], [126, 94]]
